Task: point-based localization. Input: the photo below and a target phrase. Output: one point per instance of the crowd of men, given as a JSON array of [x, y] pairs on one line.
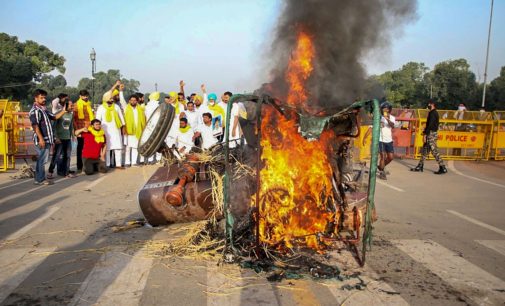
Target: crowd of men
[[109, 137]]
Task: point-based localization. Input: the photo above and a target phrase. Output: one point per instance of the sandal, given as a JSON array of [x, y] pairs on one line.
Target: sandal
[[50, 176]]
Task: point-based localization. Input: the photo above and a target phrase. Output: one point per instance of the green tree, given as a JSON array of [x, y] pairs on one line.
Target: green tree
[[22, 63], [454, 83], [496, 98], [405, 86], [104, 81]]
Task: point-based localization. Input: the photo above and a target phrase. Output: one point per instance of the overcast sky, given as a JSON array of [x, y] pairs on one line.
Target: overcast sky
[[223, 43]]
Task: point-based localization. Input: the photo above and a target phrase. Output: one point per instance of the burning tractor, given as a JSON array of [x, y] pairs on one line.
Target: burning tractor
[[292, 184]]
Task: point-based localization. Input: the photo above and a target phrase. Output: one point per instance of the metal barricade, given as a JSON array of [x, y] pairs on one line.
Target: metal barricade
[[8, 131], [24, 137], [461, 135], [498, 145], [404, 131]]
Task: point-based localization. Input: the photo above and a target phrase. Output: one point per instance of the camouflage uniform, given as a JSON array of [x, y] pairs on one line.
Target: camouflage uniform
[[431, 145]]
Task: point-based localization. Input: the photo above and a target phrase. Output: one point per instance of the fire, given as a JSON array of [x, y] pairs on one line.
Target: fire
[[299, 69], [295, 181]]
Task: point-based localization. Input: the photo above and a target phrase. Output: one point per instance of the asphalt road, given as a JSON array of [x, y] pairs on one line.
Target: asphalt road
[[440, 240]]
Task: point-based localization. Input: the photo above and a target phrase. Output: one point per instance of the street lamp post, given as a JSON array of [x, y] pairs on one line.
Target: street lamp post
[[92, 57], [487, 55]]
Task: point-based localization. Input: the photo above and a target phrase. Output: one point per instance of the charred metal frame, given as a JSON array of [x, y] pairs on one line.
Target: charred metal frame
[[370, 105]]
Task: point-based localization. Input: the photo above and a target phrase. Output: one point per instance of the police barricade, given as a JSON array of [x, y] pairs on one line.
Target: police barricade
[[461, 135], [8, 134], [25, 147], [361, 146], [404, 131], [498, 146]]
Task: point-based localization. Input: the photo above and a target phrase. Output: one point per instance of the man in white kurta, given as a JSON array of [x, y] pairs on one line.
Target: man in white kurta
[[235, 133], [112, 119], [151, 106], [179, 108], [135, 122]]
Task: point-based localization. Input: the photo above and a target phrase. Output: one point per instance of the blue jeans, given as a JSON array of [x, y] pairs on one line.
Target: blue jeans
[[40, 169]]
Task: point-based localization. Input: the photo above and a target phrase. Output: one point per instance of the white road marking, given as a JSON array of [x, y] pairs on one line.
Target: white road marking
[[495, 245], [473, 282], [230, 285], [32, 224], [451, 166], [474, 221], [375, 293], [15, 266], [15, 195], [390, 186], [95, 182], [117, 279], [18, 183]]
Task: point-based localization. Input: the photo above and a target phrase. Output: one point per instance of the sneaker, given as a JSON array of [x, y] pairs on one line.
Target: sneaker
[[45, 182]]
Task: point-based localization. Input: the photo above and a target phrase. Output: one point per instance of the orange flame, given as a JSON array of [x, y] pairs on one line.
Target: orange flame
[[296, 175], [299, 69]]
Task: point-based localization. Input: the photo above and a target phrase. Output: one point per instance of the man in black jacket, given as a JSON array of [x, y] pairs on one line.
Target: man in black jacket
[[430, 141]]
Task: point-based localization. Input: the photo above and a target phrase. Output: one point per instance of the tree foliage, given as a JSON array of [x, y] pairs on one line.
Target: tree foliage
[[104, 81], [22, 63], [496, 96]]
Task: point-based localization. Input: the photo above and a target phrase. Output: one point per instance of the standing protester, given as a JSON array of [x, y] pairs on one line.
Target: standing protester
[[111, 117], [43, 136], [430, 141], [135, 123], [151, 107], [386, 146], [94, 147], [58, 103], [63, 131], [237, 111], [141, 100], [83, 114]]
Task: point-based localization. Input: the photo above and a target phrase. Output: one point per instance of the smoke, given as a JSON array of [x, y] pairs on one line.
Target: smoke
[[343, 32]]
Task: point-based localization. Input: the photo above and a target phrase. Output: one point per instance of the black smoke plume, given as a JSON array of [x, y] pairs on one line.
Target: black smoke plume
[[343, 32]]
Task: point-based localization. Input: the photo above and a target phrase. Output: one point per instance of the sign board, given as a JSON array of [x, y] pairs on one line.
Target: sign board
[[452, 139]]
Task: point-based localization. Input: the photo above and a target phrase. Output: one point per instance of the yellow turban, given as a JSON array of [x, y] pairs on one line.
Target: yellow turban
[[115, 92], [106, 97], [155, 96], [198, 98], [173, 94]]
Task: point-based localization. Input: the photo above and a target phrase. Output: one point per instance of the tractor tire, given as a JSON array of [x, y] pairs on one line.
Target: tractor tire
[[156, 130]]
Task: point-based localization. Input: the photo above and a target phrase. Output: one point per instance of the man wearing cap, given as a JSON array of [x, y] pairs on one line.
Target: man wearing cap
[[430, 141], [111, 117]]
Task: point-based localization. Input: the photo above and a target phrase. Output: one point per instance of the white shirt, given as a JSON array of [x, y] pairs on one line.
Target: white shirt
[[194, 119], [386, 134], [150, 108], [208, 138], [224, 106], [184, 140]]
